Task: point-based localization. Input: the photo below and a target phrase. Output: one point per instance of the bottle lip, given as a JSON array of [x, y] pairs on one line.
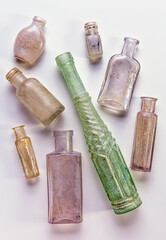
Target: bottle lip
[[21, 126], [63, 58], [89, 25], [63, 133], [39, 19], [149, 98], [12, 72], [133, 40]]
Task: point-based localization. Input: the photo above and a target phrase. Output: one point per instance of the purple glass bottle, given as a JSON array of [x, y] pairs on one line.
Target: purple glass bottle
[[64, 181]]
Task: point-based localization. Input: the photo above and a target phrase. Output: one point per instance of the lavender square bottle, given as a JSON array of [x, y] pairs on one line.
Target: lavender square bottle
[[64, 180]]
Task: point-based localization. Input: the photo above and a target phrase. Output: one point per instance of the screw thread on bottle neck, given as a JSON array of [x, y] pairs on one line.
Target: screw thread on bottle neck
[[91, 28]]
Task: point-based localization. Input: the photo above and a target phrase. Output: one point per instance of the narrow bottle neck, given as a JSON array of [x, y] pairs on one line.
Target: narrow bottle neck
[[91, 28], [148, 104], [39, 22], [66, 64], [19, 132], [15, 77], [63, 141], [129, 47]]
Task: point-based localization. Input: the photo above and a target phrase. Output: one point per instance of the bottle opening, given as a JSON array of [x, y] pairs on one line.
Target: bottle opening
[[64, 58], [40, 20], [12, 72]]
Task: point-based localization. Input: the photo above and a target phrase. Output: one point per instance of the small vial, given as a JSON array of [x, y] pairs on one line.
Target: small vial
[[144, 137], [64, 181], [26, 153], [93, 41]]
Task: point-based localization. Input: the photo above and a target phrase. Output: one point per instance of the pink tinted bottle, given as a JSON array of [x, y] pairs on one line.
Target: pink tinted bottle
[[64, 181], [145, 130]]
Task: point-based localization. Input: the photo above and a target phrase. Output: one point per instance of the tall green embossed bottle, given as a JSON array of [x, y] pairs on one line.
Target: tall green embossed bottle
[[105, 153]]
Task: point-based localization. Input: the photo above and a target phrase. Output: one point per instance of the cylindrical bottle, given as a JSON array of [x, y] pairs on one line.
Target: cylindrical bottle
[[105, 153], [121, 75], [145, 130], [93, 41], [64, 181], [30, 42], [26, 153], [35, 97]]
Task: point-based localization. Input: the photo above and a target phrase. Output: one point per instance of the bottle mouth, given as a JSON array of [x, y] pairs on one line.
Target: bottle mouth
[[64, 58], [63, 133], [21, 126], [132, 40], [150, 98], [39, 19], [89, 25], [12, 72]]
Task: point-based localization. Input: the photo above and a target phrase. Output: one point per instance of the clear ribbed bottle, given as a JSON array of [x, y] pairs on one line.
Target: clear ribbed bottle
[[64, 181], [26, 153], [105, 153], [144, 137], [30, 42], [35, 97], [93, 41]]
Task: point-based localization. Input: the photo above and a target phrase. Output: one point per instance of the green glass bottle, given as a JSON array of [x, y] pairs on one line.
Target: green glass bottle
[[105, 153]]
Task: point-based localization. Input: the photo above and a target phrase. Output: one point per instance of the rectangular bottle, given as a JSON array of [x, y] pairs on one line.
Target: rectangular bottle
[[64, 181], [145, 130]]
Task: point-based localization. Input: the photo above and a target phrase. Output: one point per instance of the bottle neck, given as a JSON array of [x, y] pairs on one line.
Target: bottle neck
[[15, 77], [129, 47], [148, 104], [63, 141], [39, 22], [66, 64], [19, 132], [91, 28]]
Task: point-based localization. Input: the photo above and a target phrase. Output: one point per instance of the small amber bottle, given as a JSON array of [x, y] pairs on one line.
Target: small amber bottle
[[145, 130], [26, 153], [93, 41], [35, 97]]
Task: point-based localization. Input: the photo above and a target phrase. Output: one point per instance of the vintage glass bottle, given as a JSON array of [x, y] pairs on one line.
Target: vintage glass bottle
[[105, 152], [64, 181], [145, 130], [120, 78], [26, 153], [93, 41], [30, 42], [35, 97]]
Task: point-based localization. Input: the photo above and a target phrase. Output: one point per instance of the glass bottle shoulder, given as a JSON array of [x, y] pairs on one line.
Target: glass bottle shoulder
[[143, 114], [124, 60], [54, 153]]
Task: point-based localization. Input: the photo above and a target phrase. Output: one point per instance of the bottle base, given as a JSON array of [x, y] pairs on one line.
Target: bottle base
[[127, 205], [112, 105], [140, 168], [53, 117], [64, 221]]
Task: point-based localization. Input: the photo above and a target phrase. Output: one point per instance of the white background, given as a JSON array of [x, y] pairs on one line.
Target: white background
[[23, 205]]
